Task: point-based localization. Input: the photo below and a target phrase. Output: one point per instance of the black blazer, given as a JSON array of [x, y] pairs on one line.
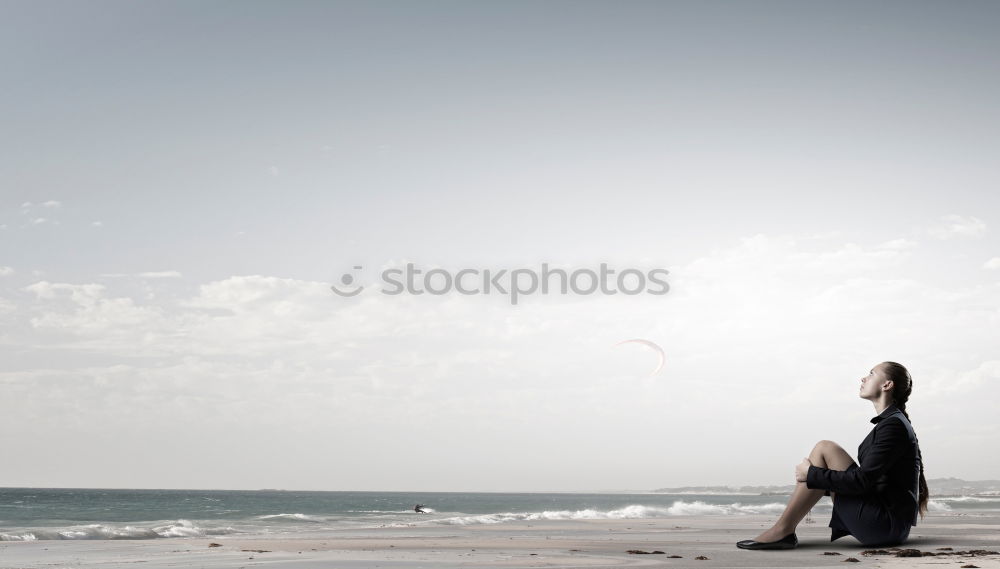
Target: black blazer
[[890, 467]]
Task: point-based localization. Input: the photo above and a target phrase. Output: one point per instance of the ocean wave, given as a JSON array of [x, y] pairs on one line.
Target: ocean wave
[[407, 511], [179, 528], [679, 508], [937, 506], [710, 493], [968, 498], [294, 518]]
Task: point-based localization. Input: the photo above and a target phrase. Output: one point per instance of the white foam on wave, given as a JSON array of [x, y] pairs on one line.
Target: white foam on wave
[[179, 528], [937, 506], [968, 498], [679, 508], [293, 517], [709, 493], [407, 511]]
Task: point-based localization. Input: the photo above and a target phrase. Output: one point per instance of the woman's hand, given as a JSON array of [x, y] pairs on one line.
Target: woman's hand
[[802, 470]]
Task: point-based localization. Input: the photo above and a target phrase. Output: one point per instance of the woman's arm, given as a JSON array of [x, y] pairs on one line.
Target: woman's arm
[[890, 443]]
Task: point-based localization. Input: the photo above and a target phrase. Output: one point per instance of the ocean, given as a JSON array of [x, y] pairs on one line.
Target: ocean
[[73, 513]]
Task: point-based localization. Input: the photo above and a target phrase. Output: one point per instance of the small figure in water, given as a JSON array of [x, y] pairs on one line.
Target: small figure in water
[[419, 508]]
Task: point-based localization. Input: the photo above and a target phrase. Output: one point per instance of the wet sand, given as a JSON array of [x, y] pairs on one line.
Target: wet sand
[[576, 543]]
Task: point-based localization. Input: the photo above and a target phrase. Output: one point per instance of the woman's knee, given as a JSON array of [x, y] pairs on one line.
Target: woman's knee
[[824, 444], [831, 455], [823, 448], [830, 449]]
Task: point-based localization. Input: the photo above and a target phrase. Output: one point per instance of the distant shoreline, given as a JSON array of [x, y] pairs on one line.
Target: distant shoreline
[[937, 486]]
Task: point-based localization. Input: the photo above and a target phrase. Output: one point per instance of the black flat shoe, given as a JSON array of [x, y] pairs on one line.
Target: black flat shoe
[[790, 541]]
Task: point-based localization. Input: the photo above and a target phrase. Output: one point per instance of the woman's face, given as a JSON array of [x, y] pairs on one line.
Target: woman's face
[[872, 384]]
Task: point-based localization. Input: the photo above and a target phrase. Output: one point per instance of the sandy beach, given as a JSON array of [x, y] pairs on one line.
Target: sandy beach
[[576, 543]]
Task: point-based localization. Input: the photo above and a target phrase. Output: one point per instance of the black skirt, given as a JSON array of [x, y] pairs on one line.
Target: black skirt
[[869, 521]]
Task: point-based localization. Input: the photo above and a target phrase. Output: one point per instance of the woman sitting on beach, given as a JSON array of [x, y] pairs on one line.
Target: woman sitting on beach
[[876, 502]]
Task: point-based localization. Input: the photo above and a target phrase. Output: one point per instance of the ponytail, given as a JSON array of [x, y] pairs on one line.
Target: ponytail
[[903, 386]]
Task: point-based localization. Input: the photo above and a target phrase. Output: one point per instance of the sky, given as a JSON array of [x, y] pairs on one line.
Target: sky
[[182, 182]]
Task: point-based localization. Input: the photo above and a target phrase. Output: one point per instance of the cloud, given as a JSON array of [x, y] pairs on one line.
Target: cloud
[[992, 264], [952, 226], [762, 298], [49, 204], [34, 218], [900, 244], [97, 224], [145, 275], [248, 293], [45, 290], [5, 271], [273, 171], [743, 308], [89, 312], [965, 381], [779, 323]]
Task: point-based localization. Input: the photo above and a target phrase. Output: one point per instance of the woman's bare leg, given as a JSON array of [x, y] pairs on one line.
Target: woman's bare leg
[[826, 454]]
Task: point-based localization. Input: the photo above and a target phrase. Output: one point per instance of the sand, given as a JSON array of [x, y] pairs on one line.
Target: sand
[[576, 543]]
